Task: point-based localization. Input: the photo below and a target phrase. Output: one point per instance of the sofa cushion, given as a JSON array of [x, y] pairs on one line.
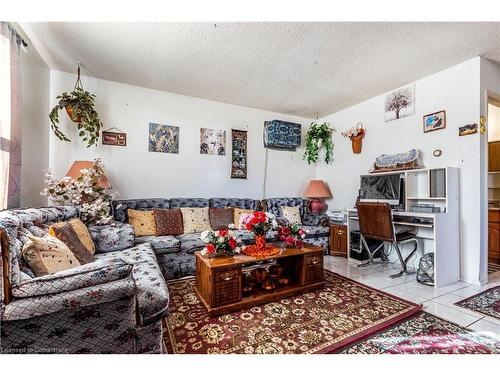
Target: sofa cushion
[[168, 222], [120, 207], [221, 218], [142, 221], [316, 231], [161, 244], [178, 265], [195, 219], [190, 242], [291, 214], [112, 237], [246, 203], [188, 202], [47, 255]]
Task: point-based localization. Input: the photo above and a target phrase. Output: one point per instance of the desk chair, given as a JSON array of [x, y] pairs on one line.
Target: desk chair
[[375, 222]]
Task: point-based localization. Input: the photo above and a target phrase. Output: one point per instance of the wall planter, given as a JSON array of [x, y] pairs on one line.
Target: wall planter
[[356, 135]]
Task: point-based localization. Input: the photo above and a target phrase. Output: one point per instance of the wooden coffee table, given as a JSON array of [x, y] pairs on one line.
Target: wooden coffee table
[[219, 280]]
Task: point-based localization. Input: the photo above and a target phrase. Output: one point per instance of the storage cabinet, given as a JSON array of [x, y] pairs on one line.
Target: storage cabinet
[[494, 156], [494, 236], [338, 240]]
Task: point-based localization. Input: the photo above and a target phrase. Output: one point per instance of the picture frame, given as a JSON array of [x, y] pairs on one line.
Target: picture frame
[[434, 121], [467, 129], [114, 138], [163, 138]]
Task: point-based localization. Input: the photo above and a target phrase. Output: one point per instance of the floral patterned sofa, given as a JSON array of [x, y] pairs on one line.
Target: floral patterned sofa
[[175, 254], [112, 305], [316, 225]]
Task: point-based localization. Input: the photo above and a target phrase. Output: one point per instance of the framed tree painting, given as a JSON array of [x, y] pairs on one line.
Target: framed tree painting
[[400, 103], [239, 154]]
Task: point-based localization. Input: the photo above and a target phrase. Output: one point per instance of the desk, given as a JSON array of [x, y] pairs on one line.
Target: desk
[[438, 234]]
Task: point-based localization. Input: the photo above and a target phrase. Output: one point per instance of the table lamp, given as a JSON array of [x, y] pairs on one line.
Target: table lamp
[[78, 165], [317, 190]]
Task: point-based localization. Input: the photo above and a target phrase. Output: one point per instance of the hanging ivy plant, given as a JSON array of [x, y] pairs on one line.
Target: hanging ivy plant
[[79, 105], [318, 135]]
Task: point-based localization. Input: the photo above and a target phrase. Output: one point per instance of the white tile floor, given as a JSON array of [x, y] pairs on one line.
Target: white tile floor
[[437, 301]]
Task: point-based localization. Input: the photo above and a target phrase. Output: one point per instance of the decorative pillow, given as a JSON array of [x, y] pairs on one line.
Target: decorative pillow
[[65, 232], [81, 231], [291, 214], [168, 222], [237, 214], [46, 255], [195, 219], [143, 222], [220, 218]]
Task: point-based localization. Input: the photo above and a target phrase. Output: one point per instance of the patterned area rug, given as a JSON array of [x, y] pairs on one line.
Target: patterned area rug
[[487, 302], [318, 322], [426, 334]]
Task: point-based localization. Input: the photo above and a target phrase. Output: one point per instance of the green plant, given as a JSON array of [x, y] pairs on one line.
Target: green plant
[[79, 104], [318, 135]]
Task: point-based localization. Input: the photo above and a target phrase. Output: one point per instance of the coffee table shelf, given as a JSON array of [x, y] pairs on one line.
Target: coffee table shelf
[[219, 280]]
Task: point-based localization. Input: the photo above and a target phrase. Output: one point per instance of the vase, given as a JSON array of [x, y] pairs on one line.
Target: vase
[[260, 242], [357, 143]]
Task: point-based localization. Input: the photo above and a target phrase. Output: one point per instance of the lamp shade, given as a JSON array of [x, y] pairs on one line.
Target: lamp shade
[[78, 165], [317, 189]]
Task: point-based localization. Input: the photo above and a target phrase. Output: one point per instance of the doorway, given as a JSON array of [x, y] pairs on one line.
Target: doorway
[[493, 185]]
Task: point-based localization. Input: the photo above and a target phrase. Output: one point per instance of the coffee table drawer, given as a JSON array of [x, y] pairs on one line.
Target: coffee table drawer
[[314, 268], [227, 286]]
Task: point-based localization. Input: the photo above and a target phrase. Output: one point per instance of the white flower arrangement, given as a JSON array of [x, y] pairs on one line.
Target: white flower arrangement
[[93, 201], [220, 242]]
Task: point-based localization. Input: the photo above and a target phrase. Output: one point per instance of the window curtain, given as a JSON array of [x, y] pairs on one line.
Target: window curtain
[[10, 117]]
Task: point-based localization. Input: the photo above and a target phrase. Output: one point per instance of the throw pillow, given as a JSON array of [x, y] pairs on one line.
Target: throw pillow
[[220, 218], [195, 220], [81, 231], [291, 214], [168, 222], [46, 255], [142, 221], [237, 214], [64, 231]]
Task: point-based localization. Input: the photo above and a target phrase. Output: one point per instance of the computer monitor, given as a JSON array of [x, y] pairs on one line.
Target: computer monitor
[[381, 188]]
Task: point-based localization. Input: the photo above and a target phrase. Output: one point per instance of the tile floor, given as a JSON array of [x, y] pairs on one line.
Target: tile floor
[[437, 301]]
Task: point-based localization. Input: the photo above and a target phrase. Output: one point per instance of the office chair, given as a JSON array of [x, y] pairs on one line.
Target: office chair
[[375, 222]]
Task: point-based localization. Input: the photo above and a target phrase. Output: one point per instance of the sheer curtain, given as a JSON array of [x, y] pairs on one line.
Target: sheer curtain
[[10, 117]]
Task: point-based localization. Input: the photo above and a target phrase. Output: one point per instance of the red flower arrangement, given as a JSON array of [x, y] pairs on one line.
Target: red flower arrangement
[[220, 243], [292, 235]]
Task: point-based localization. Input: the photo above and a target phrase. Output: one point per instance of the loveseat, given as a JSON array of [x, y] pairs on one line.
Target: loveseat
[[113, 305], [175, 254]]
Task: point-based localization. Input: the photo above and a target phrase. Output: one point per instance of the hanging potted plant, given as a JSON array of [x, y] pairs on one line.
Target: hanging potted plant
[[318, 135], [356, 135], [79, 105]]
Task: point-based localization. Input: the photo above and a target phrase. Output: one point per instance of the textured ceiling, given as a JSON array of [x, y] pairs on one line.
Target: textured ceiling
[[294, 68]]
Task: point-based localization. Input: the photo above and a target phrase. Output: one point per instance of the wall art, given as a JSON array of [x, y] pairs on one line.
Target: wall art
[[467, 129], [212, 142], [163, 138], [114, 137], [400, 103], [434, 121], [239, 153]]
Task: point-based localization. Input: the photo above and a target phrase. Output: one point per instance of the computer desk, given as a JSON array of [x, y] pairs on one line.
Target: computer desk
[[437, 233]]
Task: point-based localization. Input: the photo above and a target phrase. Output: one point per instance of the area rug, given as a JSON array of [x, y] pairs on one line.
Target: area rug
[[426, 334], [317, 322], [487, 302]]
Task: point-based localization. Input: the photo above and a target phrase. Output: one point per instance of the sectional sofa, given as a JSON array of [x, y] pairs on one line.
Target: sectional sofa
[[175, 254], [116, 303]]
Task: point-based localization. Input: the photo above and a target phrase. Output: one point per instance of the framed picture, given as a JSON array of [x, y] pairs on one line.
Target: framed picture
[[212, 142], [163, 138], [114, 138], [400, 103], [239, 154], [434, 121], [467, 129]]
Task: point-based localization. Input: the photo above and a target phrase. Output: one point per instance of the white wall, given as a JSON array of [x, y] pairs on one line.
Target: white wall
[[35, 77], [137, 173], [455, 90], [493, 123]]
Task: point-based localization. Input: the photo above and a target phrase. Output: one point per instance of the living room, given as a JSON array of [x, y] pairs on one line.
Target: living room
[[190, 186]]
